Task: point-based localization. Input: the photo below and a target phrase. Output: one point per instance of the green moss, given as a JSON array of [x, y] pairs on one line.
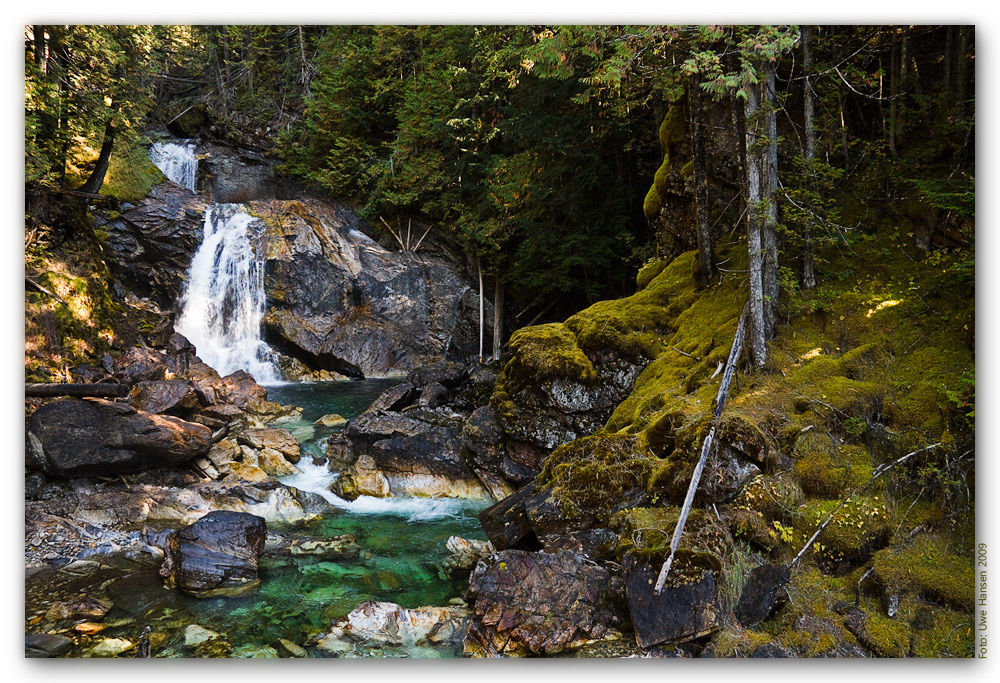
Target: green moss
[[856, 530], [826, 470], [131, 174], [927, 568], [593, 475], [546, 352], [648, 272]]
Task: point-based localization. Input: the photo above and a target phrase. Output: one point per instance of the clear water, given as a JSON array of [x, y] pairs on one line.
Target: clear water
[[224, 301], [402, 542], [177, 160]]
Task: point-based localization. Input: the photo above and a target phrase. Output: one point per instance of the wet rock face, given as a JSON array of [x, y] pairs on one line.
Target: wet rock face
[[341, 302], [151, 243], [537, 603], [92, 437], [217, 555], [233, 175]]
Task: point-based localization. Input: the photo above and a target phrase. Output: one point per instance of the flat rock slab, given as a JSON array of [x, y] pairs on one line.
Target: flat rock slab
[[93, 437], [684, 609]]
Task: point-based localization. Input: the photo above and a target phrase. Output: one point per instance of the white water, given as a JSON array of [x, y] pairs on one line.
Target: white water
[[317, 479], [177, 161], [223, 305]]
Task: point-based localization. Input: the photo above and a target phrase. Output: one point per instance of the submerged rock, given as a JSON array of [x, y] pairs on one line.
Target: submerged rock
[[38, 645], [91, 437], [386, 623], [217, 555], [81, 607]]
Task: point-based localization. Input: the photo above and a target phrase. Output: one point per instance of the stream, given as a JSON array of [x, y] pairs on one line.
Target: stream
[[402, 541]]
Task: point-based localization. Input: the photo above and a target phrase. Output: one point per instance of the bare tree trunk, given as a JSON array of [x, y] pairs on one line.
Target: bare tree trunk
[[100, 390], [705, 262], [895, 73], [497, 318], [808, 264], [769, 195], [96, 179], [755, 253], [962, 67]]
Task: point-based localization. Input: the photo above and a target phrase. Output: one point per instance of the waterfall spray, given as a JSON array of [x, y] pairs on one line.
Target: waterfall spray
[[178, 161], [223, 305]]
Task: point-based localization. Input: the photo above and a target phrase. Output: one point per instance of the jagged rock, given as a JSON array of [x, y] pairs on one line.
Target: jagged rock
[[140, 364], [362, 479], [150, 244], [771, 650], [91, 437], [217, 555], [684, 610], [176, 397], [537, 603], [339, 453], [463, 554], [81, 607], [763, 593], [37, 645], [234, 175], [340, 301], [280, 440], [387, 623], [275, 464]]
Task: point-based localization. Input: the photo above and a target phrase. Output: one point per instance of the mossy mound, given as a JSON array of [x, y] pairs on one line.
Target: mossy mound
[[825, 469], [763, 512], [131, 174], [546, 352], [856, 530], [927, 568], [596, 475], [648, 272]]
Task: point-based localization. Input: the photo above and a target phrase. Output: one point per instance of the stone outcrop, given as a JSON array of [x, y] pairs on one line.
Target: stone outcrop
[[538, 603], [217, 555], [339, 301], [150, 244], [85, 437]]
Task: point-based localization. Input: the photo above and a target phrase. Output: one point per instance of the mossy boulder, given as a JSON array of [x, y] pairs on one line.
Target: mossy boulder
[[929, 569]]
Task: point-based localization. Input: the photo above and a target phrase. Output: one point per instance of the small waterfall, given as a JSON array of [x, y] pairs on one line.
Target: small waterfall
[[223, 304], [178, 161]]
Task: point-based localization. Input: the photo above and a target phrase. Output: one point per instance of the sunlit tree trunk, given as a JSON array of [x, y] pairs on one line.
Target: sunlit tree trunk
[[96, 179]]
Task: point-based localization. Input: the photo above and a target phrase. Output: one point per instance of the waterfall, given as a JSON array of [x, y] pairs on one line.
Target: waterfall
[[177, 161], [223, 304]]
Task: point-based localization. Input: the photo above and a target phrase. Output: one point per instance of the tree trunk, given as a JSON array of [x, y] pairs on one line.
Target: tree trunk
[[962, 67], [479, 268], [96, 179], [706, 269], [895, 76], [769, 196], [808, 264], [758, 349], [40, 48], [497, 318]]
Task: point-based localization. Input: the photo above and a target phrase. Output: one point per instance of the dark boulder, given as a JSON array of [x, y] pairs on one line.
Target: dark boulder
[[538, 603], [217, 555], [686, 609], [507, 525], [92, 437], [763, 593]]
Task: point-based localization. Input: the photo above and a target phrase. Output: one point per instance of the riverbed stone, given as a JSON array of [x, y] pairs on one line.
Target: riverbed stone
[[81, 607], [280, 440], [175, 397], [275, 464], [386, 623]]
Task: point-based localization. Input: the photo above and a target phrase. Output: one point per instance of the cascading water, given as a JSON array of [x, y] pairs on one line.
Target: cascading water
[[178, 162], [223, 304]]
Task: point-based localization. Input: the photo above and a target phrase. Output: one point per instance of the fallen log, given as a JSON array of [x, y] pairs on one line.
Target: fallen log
[[81, 390]]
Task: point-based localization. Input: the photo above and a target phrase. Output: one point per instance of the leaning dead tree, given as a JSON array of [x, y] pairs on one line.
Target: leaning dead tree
[[706, 447]]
